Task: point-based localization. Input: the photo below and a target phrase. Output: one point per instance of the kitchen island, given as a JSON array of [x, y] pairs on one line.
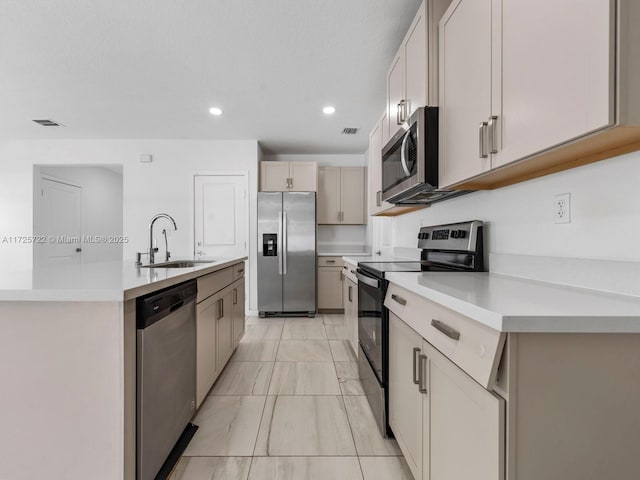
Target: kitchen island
[[68, 356]]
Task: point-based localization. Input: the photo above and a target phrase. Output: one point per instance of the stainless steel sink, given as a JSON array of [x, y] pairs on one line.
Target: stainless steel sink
[[178, 264]]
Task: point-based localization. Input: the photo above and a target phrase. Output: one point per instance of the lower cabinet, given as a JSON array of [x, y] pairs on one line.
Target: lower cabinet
[[220, 319], [447, 425], [238, 311], [350, 296], [330, 283]]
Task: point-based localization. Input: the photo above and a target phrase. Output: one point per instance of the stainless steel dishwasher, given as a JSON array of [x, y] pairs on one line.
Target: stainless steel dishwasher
[[166, 382]]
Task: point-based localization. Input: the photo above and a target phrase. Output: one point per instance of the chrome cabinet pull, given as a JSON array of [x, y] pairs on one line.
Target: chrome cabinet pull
[[350, 298], [416, 380], [398, 299], [446, 329], [403, 115], [235, 296], [422, 366], [493, 134], [220, 309], [482, 140], [398, 120], [378, 198]]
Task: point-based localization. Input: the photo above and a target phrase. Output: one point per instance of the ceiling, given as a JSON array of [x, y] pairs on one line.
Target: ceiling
[[152, 69]]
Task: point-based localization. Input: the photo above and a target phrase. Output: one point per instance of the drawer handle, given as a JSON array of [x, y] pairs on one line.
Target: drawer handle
[[398, 299], [331, 261], [446, 329], [416, 380], [422, 366], [241, 270]]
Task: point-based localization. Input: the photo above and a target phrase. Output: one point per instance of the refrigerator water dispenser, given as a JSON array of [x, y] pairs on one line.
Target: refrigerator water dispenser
[[270, 244]]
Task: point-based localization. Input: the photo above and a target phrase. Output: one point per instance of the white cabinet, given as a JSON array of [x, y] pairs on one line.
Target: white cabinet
[[350, 298], [412, 79], [406, 416], [288, 176], [330, 283], [466, 424], [341, 196], [376, 205], [535, 101]]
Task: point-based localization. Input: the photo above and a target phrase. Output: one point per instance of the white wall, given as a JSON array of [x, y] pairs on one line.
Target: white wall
[[102, 199], [165, 185], [605, 214], [333, 234]]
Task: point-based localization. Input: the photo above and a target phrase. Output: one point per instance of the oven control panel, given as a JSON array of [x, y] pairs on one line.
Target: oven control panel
[[458, 236]]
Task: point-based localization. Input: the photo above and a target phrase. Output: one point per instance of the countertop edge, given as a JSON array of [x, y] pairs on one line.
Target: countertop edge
[[134, 292]]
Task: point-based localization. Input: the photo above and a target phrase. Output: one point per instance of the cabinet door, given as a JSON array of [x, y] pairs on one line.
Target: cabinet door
[[405, 400], [304, 176], [467, 427], [330, 288], [352, 300], [206, 313], [416, 62], [464, 88], [274, 176], [329, 196], [352, 195], [238, 311], [395, 92], [560, 86], [376, 142], [224, 327]]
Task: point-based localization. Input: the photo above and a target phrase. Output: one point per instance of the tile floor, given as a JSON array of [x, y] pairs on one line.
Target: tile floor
[[289, 406]]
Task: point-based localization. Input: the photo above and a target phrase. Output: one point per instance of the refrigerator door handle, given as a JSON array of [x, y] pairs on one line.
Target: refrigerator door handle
[[279, 242], [285, 243]]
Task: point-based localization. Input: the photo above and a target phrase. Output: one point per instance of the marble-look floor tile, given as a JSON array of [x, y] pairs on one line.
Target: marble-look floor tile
[[348, 378], [369, 440], [295, 329], [304, 378], [385, 468], [341, 351], [261, 351], [336, 332], [304, 351], [270, 331], [305, 468], [305, 426], [228, 426], [212, 468], [244, 378], [264, 321], [334, 319]]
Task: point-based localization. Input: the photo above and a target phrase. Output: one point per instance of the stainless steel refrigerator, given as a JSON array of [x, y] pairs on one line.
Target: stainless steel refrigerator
[[286, 253]]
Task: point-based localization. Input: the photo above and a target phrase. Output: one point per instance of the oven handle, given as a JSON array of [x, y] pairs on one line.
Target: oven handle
[[403, 157], [372, 282]]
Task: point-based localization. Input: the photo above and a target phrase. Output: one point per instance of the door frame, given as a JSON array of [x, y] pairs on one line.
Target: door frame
[[37, 254], [245, 175]]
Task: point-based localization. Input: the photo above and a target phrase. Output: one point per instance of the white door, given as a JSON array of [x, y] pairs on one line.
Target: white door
[[58, 218], [221, 215]]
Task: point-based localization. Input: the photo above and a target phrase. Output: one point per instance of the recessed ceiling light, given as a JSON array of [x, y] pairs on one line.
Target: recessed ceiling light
[[329, 110], [215, 111]]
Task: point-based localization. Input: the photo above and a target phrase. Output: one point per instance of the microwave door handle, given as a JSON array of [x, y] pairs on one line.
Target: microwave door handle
[[403, 157]]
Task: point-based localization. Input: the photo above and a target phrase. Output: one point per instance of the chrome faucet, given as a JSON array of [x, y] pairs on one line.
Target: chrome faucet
[[153, 250]]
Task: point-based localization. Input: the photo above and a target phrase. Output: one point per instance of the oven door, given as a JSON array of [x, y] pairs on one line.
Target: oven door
[[371, 321]]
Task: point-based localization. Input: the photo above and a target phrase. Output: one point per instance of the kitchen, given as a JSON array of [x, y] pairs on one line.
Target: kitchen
[[522, 238]]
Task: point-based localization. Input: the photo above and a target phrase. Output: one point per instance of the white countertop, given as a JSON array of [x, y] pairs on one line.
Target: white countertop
[[100, 282], [511, 304]]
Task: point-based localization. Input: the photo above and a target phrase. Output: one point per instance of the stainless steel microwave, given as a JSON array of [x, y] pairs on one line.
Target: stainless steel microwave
[[410, 162]]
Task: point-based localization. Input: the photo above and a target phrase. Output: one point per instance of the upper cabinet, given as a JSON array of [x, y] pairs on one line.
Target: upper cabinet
[[288, 176], [411, 79], [517, 102], [341, 196], [376, 205]]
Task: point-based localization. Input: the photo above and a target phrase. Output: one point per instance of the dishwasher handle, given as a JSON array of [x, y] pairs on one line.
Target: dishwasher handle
[[158, 305]]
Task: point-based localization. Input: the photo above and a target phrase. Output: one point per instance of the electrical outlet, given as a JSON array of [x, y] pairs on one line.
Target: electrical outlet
[[562, 208]]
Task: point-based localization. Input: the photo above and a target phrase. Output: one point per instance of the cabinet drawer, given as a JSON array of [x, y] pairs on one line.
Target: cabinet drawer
[[214, 282], [330, 261], [475, 348], [238, 271], [349, 271]]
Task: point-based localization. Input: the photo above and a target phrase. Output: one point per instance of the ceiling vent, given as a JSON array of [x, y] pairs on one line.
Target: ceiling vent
[[47, 123], [349, 131]]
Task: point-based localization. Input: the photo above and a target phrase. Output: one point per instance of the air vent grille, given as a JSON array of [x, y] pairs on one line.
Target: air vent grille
[[47, 123], [349, 131]]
